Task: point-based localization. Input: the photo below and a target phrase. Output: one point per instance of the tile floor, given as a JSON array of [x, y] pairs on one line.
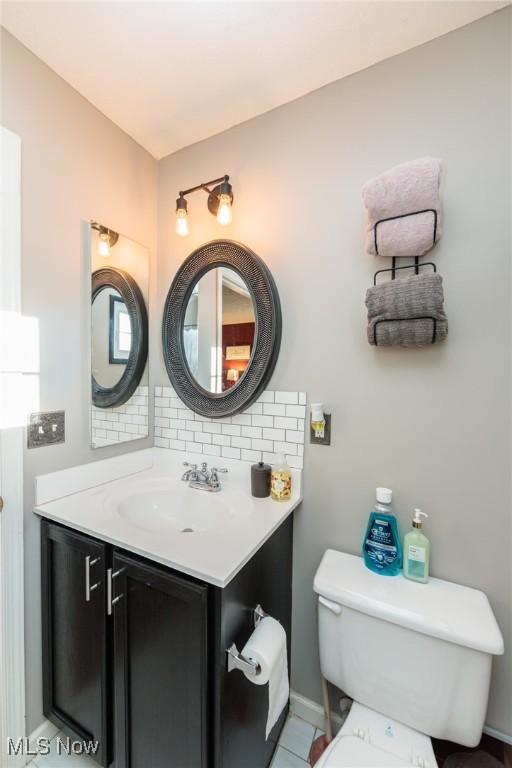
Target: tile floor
[[292, 752]]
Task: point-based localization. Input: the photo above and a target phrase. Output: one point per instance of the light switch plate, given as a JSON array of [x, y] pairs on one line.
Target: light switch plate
[[46, 428]]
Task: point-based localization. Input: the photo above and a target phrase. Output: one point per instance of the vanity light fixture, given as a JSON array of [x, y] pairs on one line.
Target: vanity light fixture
[[220, 200], [107, 238]]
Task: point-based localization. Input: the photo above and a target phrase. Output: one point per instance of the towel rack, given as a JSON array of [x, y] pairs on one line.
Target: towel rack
[[403, 216], [393, 269], [237, 660]]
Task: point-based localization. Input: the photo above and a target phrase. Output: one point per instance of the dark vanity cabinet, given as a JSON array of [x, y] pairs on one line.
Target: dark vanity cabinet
[[76, 635], [134, 653], [160, 667]]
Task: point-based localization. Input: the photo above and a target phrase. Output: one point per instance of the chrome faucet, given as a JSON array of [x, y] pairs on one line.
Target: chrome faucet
[[203, 479]]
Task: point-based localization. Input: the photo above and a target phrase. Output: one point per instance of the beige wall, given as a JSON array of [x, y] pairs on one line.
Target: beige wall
[[76, 165], [433, 424]]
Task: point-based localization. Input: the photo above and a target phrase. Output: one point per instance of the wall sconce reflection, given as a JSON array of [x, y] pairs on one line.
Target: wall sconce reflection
[[107, 238]]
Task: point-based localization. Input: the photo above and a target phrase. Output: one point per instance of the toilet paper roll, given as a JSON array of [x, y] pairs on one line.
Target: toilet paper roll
[[267, 647]]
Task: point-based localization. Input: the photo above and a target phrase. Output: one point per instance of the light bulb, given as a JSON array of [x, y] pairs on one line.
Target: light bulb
[[103, 246], [181, 222], [224, 213]]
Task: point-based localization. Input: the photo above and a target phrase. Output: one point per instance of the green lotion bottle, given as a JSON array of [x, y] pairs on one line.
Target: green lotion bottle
[[416, 550]]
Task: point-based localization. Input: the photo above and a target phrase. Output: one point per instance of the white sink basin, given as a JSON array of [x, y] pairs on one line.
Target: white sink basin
[[162, 505]]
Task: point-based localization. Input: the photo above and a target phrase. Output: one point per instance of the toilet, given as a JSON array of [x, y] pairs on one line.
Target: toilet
[[415, 658]]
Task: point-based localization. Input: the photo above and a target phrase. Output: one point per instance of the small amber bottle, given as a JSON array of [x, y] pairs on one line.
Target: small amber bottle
[[281, 482]]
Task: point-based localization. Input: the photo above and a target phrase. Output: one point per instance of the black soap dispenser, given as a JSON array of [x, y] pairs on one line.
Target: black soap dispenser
[[260, 480]]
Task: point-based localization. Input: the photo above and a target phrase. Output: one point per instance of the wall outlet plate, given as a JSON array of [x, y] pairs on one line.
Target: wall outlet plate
[[326, 439], [46, 428]]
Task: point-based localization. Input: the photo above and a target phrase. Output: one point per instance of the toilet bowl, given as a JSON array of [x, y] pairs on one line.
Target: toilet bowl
[[415, 658]]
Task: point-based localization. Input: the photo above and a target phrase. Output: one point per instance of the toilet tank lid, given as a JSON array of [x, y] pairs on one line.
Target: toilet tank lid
[[439, 608]]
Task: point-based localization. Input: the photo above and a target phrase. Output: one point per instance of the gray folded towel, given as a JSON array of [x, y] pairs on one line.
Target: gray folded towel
[[400, 312]]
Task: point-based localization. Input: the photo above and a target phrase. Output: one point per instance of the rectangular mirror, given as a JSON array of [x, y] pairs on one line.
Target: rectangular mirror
[[119, 337]]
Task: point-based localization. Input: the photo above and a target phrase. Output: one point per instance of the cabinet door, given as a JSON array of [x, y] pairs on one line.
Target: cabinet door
[[75, 635], [160, 667]]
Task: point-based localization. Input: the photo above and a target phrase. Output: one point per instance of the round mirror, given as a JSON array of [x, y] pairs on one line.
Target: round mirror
[[221, 329], [218, 329], [111, 337], [119, 337]]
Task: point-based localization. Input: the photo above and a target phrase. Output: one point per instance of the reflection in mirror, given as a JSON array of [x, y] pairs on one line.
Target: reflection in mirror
[[111, 337], [218, 329], [111, 342]]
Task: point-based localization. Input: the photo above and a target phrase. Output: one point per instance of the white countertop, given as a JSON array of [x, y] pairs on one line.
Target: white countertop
[[215, 555]]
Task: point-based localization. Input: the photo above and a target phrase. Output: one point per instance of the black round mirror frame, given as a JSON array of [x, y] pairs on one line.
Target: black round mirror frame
[[267, 332], [120, 393]]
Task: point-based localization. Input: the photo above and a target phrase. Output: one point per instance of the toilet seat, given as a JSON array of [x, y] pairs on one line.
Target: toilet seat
[[371, 740], [350, 752]]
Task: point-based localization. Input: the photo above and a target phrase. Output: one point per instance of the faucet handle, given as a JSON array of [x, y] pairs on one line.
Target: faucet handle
[[187, 464], [222, 469]]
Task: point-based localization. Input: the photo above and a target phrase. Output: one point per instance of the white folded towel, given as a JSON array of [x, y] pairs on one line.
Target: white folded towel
[[404, 189]]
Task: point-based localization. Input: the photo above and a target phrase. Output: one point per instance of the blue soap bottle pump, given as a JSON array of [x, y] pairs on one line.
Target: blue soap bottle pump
[[382, 548]]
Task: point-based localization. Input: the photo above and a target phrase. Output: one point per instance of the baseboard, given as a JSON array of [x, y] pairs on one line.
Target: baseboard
[[46, 730], [504, 737], [313, 713]]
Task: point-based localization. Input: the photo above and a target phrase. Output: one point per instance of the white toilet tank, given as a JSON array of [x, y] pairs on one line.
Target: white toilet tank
[[418, 653]]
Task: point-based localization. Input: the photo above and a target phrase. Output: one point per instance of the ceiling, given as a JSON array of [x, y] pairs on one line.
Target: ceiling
[[172, 73]]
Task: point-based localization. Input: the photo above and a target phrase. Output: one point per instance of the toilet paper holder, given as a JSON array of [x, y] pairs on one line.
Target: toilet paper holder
[[236, 660]]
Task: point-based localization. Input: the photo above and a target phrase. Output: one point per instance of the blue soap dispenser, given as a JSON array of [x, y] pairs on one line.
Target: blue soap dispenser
[[382, 547]]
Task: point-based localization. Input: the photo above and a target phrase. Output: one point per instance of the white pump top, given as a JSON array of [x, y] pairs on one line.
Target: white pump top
[[384, 495], [417, 521]]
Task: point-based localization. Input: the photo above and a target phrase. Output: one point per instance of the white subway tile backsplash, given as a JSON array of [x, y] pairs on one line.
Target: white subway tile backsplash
[[212, 427], [230, 453], [211, 450], [194, 447], [221, 439], [296, 410], [294, 436], [255, 408], [286, 448], [244, 419], [263, 421], [285, 422], [266, 397], [125, 422], [287, 397], [231, 429], [255, 432], [251, 455], [270, 433], [273, 424], [274, 409], [241, 442], [262, 445]]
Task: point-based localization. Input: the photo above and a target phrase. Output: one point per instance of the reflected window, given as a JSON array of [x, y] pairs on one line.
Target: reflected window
[[120, 331]]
